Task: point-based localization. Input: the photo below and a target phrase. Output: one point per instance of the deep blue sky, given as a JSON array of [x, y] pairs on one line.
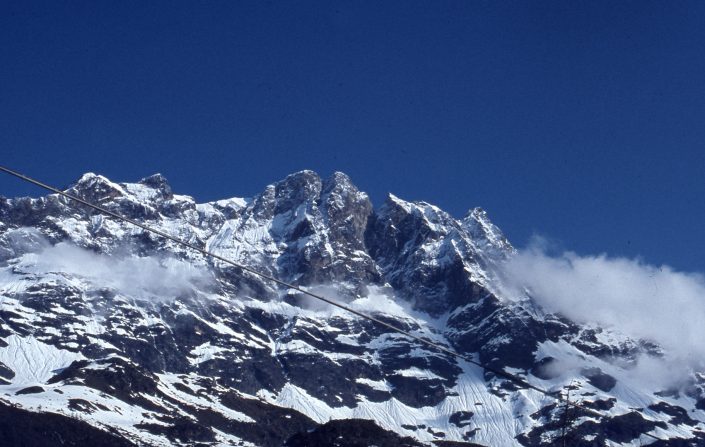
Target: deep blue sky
[[583, 121]]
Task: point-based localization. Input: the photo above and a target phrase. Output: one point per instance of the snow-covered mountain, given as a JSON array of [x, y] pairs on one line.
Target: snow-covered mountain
[[110, 335]]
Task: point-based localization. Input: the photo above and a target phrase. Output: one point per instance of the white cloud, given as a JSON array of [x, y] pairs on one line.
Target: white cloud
[[157, 277], [376, 300], [637, 299]]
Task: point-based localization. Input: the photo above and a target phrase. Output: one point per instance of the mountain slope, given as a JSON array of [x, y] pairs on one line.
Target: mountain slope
[[130, 333]]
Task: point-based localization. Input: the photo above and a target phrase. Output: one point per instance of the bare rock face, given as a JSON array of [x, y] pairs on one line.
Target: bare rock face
[[138, 340], [352, 433]]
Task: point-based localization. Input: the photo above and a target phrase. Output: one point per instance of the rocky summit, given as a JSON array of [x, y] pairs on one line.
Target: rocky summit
[[111, 335]]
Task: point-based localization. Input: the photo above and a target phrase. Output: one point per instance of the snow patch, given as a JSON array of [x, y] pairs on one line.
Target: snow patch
[[34, 362]]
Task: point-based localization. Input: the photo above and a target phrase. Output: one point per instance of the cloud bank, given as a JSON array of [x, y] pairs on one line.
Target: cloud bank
[[628, 295], [159, 276]]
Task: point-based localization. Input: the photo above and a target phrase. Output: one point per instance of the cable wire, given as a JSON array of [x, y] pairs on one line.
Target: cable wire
[[437, 346]]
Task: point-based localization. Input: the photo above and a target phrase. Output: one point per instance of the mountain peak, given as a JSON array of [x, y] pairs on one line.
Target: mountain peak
[[90, 179], [155, 181], [87, 177], [96, 188], [485, 233], [303, 176], [339, 178]]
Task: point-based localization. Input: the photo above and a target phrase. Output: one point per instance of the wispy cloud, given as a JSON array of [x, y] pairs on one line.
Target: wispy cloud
[[162, 277], [644, 301]]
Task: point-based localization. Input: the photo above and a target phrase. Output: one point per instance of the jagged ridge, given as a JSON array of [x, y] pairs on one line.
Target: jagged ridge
[[186, 350]]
